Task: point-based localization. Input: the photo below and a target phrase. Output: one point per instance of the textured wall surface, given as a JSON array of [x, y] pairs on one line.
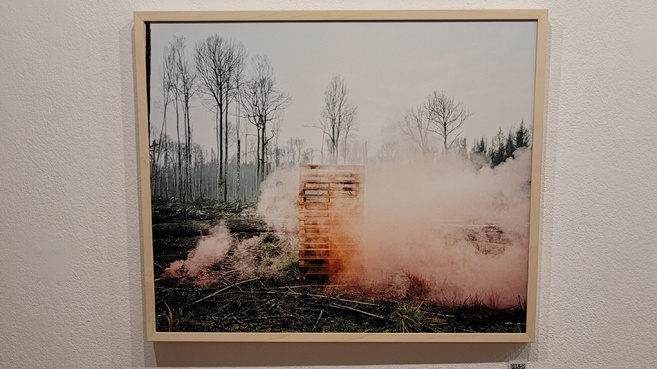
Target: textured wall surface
[[70, 264]]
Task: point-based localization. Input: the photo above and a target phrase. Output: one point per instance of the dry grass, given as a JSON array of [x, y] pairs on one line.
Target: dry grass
[[260, 289]]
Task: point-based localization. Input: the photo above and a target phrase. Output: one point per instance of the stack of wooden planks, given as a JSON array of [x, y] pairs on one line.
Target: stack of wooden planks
[[330, 216]]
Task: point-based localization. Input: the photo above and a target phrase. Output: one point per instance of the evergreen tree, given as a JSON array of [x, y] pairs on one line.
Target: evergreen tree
[[498, 148], [510, 145], [480, 147], [522, 136]]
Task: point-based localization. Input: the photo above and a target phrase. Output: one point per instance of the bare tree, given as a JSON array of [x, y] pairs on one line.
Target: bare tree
[[238, 114], [389, 150], [446, 117], [219, 65], [348, 126], [275, 130], [262, 102], [174, 46], [185, 89], [233, 85], [337, 117], [416, 126], [188, 90], [295, 147], [160, 145], [307, 156]]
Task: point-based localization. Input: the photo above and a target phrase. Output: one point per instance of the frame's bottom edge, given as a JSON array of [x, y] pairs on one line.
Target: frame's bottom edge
[[342, 337]]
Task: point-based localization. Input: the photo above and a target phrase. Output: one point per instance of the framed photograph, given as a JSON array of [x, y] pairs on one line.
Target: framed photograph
[[332, 176]]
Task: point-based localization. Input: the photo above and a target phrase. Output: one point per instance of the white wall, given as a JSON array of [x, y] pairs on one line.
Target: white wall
[[70, 267]]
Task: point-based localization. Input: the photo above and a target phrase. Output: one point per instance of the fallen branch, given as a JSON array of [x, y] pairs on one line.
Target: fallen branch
[[321, 312], [246, 226], [270, 317], [161, 230], [341, 299], [297, 286], [356, 310], [290, 292], [230, 272], [225, 289]]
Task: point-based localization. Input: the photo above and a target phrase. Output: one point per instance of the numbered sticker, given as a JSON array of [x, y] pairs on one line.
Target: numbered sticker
[[517, 364]]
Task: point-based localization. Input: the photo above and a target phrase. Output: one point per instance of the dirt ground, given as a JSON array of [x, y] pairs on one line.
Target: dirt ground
[[281, 300]]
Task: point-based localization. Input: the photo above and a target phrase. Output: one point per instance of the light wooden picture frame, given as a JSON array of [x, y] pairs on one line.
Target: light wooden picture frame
[[340, 176]]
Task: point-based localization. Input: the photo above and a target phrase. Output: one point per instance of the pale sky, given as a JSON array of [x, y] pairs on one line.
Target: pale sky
[[389, 67]]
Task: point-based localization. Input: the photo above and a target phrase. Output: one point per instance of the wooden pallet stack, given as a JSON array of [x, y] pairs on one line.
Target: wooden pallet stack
[[330, 217]]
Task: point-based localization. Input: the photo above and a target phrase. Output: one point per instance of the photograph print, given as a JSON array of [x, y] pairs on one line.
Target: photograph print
[[324, 176]]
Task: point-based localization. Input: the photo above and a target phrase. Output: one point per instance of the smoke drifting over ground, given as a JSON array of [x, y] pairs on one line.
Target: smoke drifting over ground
[[277, 204], [443, 231], [439, 230], [210, 250], [260, 255]]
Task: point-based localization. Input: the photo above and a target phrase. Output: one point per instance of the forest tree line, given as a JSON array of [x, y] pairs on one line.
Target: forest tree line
[[242, 93], [214, 75], [440, 118]]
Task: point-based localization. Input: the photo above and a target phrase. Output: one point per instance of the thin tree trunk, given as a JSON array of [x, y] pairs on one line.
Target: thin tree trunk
[[221, 152], [239, 163], [179, 176], [216, 124], [258, 161], [166, 172], [263, 144], [188, 150], [226, 152], [239, 195], [157, 170]]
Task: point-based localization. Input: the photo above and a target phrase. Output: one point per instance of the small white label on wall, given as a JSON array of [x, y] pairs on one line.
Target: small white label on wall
[[518, 364]]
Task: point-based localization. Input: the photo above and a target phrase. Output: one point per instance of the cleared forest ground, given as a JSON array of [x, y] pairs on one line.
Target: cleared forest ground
[[280, 299]]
